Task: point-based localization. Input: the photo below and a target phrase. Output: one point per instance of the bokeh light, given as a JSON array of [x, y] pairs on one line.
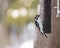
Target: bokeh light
[[15, 13], [23, 11]]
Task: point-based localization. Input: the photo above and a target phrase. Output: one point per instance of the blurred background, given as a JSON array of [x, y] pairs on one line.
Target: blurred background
[[17, 28]]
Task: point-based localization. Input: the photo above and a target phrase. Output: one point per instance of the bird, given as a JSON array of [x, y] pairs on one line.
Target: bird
[[39, 25]]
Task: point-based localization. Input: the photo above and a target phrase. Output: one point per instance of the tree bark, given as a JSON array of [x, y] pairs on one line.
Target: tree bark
[[53, 40]]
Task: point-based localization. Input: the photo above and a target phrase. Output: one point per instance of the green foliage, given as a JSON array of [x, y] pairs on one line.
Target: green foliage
[[20, 20]]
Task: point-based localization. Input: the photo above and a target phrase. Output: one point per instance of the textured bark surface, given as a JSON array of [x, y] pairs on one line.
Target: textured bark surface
[[53, 40]]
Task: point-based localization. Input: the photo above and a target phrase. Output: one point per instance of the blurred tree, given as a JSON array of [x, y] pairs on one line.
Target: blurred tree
[[17, 4]]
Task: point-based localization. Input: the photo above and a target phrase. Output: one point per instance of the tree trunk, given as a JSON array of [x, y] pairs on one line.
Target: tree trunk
[[53, 40]]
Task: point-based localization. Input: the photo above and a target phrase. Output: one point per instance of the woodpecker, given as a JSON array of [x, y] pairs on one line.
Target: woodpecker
[[39, 22], [39, 25]]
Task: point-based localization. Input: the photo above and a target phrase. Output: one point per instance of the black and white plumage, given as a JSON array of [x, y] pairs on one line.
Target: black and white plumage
[[39, 22], [39, 25]]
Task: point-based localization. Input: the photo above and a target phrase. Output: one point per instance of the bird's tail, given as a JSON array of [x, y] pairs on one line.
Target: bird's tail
[[45, 35]]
